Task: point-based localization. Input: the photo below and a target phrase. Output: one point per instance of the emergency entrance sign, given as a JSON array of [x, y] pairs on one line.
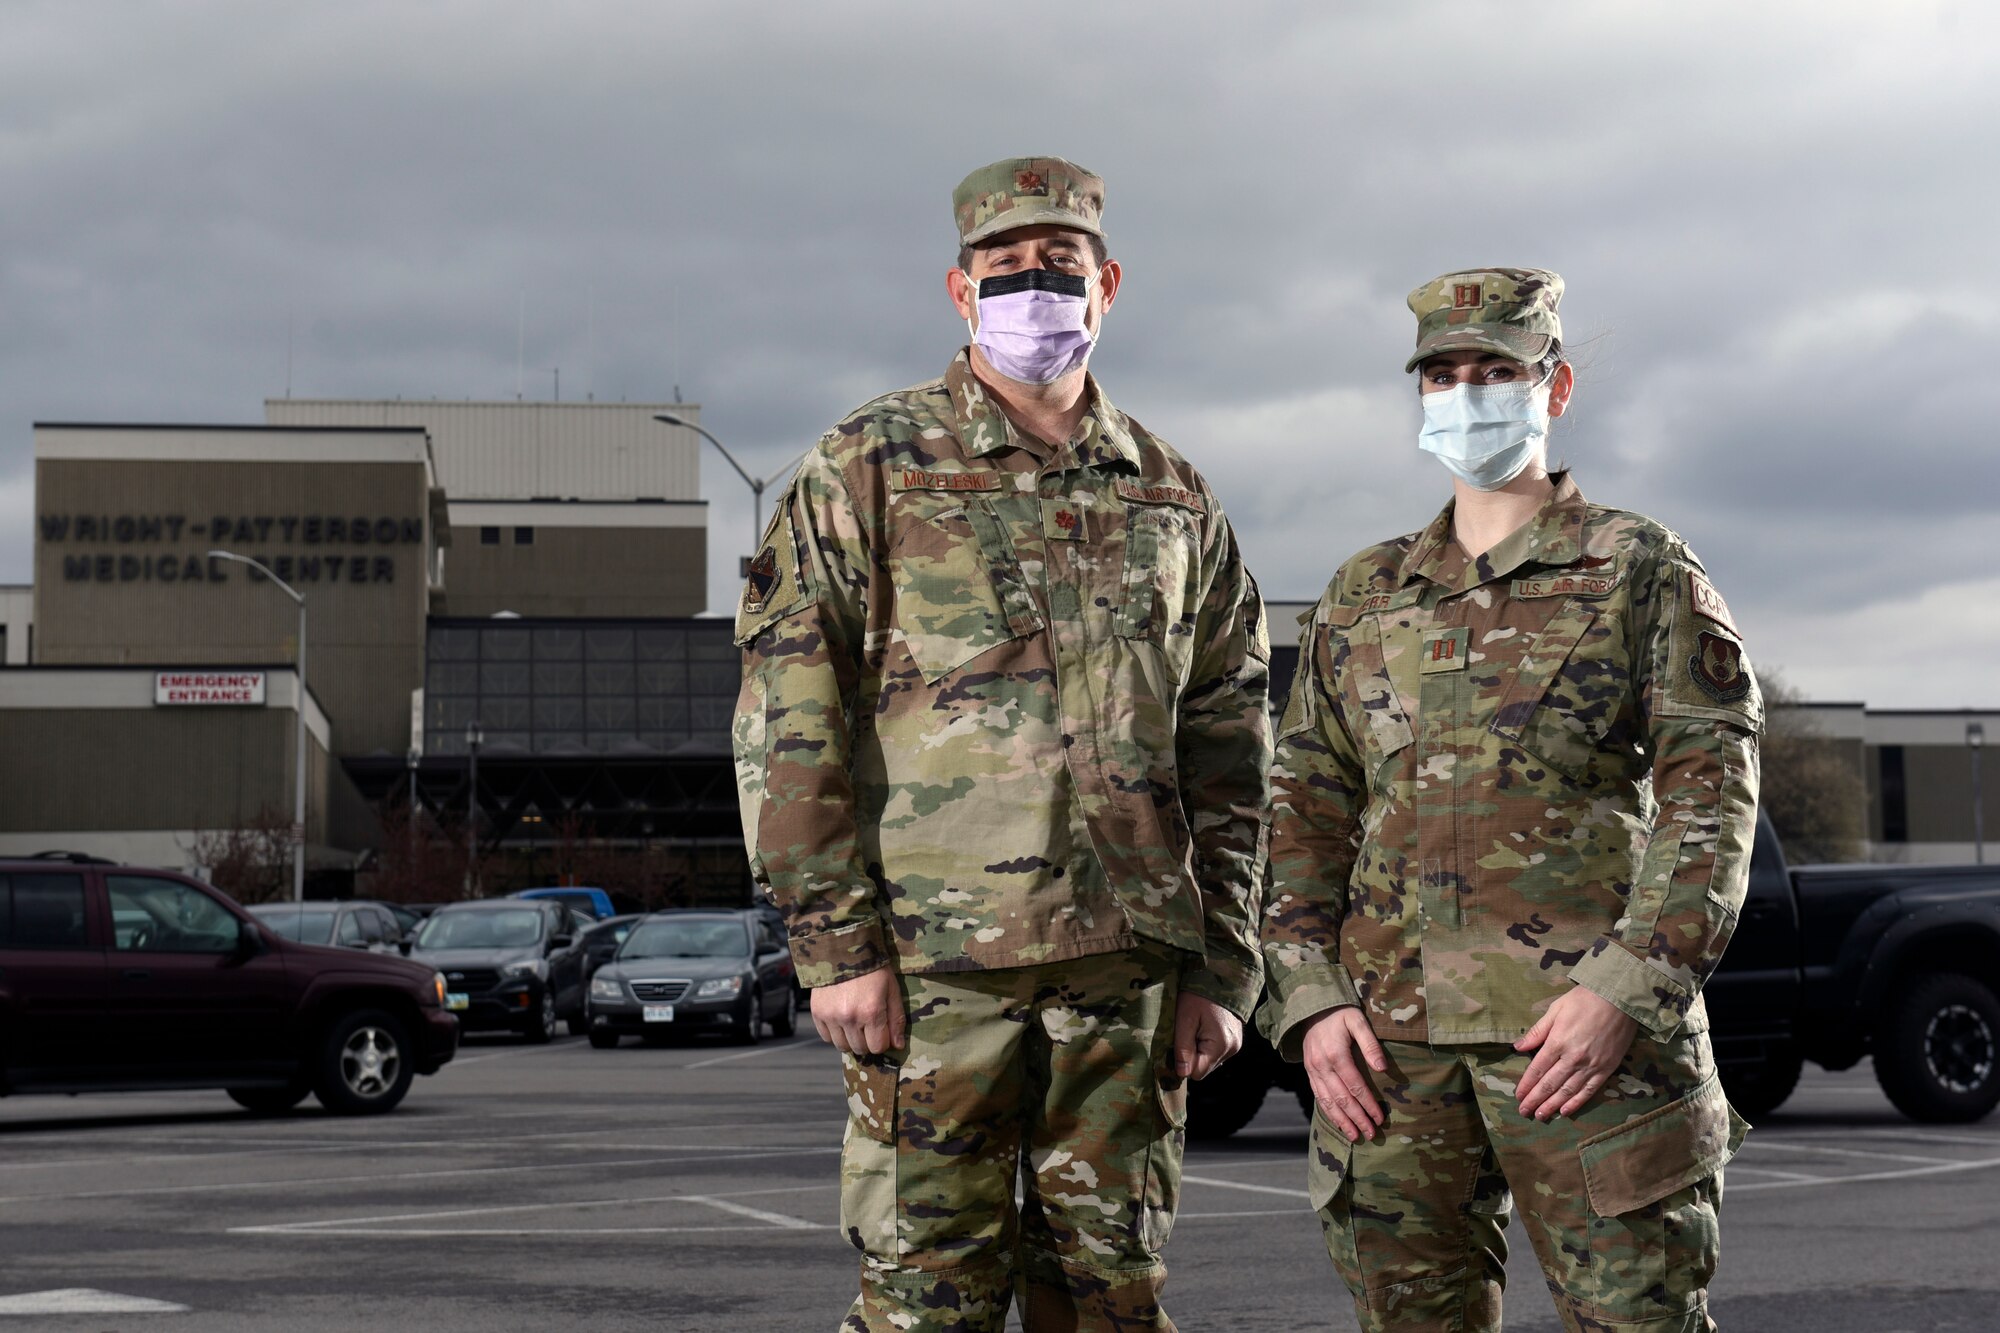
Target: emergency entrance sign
[[244, 688]]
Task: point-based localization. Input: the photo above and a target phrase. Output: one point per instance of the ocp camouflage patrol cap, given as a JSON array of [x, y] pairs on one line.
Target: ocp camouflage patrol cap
[[1511, 311], [1025, 192]]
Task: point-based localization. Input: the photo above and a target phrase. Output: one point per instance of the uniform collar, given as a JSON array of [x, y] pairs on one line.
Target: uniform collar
[[1554, 536], [1102, 438]]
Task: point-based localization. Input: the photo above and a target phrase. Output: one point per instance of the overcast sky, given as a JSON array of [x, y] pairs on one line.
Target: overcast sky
[[1775, 221]]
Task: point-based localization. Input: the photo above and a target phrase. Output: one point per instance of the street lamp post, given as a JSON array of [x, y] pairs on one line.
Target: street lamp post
[[473, 736], [299, 743], [1975, 740], [757, 486]]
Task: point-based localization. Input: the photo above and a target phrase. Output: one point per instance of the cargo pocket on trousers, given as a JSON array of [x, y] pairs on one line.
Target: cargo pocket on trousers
[[1653, 1185], [868, 1199], [1165, 1153], [1329, 1163], [871, 1095]]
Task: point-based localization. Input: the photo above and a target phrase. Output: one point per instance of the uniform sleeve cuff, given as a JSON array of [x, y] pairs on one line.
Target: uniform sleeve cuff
[[842, 954], [1640, 991], [1307, 995], [1229, 983]]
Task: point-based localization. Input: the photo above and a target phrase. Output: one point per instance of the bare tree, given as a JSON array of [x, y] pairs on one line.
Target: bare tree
[[252, 863], [1817, 798], [420, 860]]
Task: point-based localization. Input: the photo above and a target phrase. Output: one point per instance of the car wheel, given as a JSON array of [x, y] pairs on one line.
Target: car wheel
[[1759, 1089], [1937, 1053], [364, 1066], [270, 1101], [603, 1041], [787, 1021], [542, 1029], [751, 1031]]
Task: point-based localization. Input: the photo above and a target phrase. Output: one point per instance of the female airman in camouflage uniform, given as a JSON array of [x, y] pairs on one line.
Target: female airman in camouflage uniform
[[1515, 794]]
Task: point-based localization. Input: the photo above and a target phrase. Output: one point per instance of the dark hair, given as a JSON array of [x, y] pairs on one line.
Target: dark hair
[[1098, 253]]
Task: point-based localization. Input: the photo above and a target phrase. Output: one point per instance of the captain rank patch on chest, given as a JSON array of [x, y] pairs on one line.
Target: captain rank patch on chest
[[1445, 650]]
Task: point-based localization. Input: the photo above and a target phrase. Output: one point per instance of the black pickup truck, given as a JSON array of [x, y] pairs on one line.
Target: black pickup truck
[[1828, 964]]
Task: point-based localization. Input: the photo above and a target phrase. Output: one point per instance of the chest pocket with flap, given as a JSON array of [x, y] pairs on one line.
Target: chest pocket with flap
[[1367, 692], [959, 589]]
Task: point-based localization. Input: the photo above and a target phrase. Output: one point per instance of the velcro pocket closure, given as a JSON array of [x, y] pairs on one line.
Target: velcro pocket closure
[[1645, 1159], [871, 1095]]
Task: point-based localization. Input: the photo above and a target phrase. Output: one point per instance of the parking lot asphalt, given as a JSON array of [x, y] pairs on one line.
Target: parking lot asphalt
[[692, 1187]]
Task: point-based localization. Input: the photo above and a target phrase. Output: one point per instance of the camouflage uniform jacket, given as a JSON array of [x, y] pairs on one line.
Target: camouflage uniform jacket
[[1004, 704], [1498, 777]]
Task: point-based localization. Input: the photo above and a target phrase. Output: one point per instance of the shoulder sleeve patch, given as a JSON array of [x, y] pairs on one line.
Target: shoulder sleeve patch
[[779, 578], [1708, 602]]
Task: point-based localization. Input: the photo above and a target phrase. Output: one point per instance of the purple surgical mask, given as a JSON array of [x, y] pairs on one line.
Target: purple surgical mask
[[1031, 324]]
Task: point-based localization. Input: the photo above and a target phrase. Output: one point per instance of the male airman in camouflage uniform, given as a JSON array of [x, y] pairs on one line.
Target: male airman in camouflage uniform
[[1500, 779], [1002, 750]]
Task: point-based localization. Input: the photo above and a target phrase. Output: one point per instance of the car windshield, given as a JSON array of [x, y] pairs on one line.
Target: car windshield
[[296, 923], [686, 939], [481, 930]]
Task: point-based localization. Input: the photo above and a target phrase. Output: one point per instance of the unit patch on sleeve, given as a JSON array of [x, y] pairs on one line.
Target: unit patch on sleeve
[[763, 577], [1717, 666], [1709, 602]]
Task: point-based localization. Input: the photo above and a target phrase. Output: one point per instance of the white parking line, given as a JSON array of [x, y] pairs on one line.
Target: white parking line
[[378, 1177], [785, 1220], [1235, 1185], [1867, 1177], [1853, 1152], [373, 1226], [740, 1055], [1737, 1167]]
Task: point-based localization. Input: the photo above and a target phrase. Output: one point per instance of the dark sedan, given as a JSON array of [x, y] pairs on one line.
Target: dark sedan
[[507, 964], [691, 971]]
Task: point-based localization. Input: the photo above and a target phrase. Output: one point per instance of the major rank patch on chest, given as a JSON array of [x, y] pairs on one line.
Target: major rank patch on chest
[[1569, 585], [1717, 666], [918, 479], [1063, 521], [1445, 650], [763, 577]]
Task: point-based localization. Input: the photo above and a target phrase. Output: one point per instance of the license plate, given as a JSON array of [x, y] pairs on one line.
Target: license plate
[[457, 1000], [659, 1013]]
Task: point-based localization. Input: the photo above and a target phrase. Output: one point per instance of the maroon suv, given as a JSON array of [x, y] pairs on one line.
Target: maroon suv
[[117, 978]]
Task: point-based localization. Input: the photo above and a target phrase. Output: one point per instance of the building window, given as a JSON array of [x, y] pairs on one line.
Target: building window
[[489, 536], [524, 536], [1895, 799], [581, 687]]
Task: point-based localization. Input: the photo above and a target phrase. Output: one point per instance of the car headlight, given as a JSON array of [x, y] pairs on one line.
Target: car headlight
[[606, 988], [709, 990], [527, 967]]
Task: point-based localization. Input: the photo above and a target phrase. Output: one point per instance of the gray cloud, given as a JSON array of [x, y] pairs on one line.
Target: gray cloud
[[1769, 214]]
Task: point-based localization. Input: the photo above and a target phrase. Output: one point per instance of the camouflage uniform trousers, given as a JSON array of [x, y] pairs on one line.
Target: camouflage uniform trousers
[[1619, 1201], [1054, 1076]]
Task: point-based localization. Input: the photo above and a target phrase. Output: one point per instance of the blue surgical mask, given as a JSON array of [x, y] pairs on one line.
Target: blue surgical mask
[[1487, 434]]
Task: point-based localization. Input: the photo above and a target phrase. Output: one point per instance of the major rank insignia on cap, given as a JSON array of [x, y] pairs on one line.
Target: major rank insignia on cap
[[763, 577], [1717, 666]]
